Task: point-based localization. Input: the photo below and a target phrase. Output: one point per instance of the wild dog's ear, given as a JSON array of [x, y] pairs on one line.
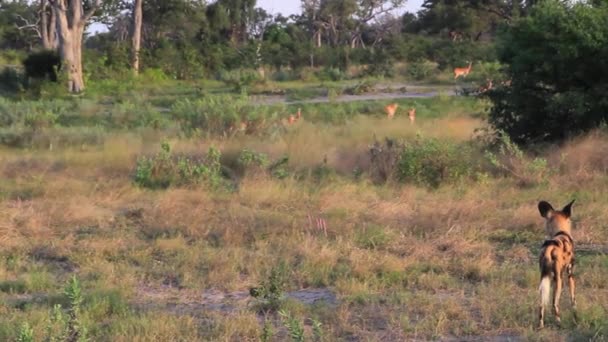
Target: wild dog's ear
[[545, 209], [568, 209]]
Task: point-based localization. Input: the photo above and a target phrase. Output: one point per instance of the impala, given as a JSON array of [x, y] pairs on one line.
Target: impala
[[412, 114], [390, 110], [462, 71]]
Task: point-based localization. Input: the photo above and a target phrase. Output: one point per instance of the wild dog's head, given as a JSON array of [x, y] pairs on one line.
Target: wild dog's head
[[556, 220]]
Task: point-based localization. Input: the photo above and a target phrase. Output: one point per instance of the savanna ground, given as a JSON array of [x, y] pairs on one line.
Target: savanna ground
[[428, 236]]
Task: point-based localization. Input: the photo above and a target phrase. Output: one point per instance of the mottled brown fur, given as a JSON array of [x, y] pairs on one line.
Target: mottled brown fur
[[556, 257]]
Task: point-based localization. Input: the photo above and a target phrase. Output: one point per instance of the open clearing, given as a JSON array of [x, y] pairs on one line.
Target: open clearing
[[448, 256]]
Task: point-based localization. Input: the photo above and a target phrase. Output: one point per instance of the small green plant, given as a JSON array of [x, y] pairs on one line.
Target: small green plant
[[293, 326], [317, 330], [25, 333], [252, 162], [56, 328], [267, 331], [270, 292], [248, 158], [76, 331], [279, 168]]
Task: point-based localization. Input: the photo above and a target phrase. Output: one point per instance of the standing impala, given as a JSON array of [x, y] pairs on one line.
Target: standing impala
[[462, 71], [390, 110], [412, 115]]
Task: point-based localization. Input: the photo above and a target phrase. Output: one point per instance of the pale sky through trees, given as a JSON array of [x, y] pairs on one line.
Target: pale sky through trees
[[285, 7]]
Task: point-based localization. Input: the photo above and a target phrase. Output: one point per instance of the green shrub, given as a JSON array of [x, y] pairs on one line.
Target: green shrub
[[241, 79], [164, 169], [331, 74], [11, 80], [251, 161], [433, 162], [34, 113], [421, 70]]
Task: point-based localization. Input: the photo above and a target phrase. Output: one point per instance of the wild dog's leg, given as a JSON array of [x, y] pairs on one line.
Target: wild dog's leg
[[558, 291], [571, 285]]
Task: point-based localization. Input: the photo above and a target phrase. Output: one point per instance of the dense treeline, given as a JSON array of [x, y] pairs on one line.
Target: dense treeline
[[189, 39]]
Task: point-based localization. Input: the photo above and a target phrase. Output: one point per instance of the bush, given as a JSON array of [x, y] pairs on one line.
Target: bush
[[164, 169], [220, 115], [432, 162], [558, 63], [331, 74], [34, 114], [421, 70], [240, 80], [11, 80]]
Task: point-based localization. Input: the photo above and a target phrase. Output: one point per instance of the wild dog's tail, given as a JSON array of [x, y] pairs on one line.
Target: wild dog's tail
[[547, 261], [545, 290]]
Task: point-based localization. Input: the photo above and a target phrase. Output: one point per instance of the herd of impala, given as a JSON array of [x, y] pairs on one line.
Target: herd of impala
[[390, 109]]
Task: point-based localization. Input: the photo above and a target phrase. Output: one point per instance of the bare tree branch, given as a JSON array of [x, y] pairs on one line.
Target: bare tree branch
[[90, 12], [28, 26]]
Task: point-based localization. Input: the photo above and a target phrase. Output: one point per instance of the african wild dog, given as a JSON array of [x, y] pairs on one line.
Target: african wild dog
[[556, 257]]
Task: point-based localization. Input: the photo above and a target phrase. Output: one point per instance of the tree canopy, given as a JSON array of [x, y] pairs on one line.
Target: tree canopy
[[557, 59]]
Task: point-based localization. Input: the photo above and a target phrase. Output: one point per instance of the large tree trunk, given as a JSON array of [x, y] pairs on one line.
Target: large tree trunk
[[48, 26], [136, 35], [71, 20]]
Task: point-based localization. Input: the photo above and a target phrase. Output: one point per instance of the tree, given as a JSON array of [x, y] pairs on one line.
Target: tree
[[136, 34], [18, 25], [557, 59], [72, 16], [468, 18], [48, 26]]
